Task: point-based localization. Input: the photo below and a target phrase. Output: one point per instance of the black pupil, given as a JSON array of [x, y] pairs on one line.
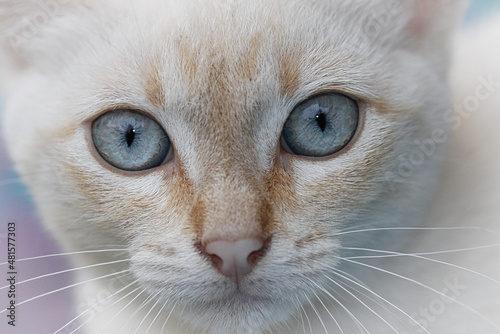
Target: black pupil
[[130, 135], [321, 120]]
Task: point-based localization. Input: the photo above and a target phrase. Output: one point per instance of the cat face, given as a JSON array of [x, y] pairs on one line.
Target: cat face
[[220, 84]]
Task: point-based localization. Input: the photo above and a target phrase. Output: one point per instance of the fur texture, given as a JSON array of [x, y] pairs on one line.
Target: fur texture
[[222, 78]]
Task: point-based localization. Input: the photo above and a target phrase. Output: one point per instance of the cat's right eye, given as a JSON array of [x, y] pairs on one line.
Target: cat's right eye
[[130, 140], [321, 126]]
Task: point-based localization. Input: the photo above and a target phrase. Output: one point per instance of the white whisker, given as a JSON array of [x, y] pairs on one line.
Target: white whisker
[[336, 272], [317, 313], [287, 326], [378, 301], [305, 314], [66, 254], [362, 303], [415, 229], [180, 316], [425, 287], [156, 317], [92, 307], [67, 271], [144, 303], [298, 317], [148, 313], [114, 303], [327, 310], [427, 259], [448, 251], [123, 308], [301, 317], [341, 305], [168, 317], [67, 287]]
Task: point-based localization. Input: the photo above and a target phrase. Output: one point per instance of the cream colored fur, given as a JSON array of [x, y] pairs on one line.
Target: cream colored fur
[[222, 77]]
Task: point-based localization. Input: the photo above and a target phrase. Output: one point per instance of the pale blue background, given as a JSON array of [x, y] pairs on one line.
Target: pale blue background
[[49, 313]]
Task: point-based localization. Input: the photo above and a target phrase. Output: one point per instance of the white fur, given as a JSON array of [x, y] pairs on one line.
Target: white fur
[[93, 55]]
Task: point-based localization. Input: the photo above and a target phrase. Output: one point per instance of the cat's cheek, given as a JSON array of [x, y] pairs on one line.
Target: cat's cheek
[[111, 203]]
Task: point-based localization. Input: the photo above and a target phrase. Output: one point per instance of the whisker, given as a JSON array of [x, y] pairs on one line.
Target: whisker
[[336, 272], [92, 307], [123, 308], [472, 228], [180, 317], [376, 299], [67, 287], [297, 317], [66, 254], [447, 251], [144, 303], [341, 305], [149, 312], [114, 303], [305, 314], [67, 271], [425, 287], [362, 303], [317, 313], [327, 310], [287, 326], [156, 317], [297, 303], [397, 254], [168, 317], [358, 322], [416, 229]]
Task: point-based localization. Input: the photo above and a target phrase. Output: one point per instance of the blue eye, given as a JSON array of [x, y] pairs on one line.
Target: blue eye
[[130, 140], [321, 125]]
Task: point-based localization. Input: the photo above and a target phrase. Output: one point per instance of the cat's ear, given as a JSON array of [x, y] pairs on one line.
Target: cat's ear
[[21, 22], [432, 21], [423, 27], [421, 24], [28, 30]]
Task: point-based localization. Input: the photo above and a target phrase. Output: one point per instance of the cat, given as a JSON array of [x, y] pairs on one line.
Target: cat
[[261, 166]]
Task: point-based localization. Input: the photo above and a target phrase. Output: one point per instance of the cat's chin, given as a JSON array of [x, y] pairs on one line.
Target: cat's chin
[[218, 306], [238, 312]]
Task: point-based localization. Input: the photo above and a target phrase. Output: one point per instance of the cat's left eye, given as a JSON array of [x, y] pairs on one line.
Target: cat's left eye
[[130, 140], [321, 126]]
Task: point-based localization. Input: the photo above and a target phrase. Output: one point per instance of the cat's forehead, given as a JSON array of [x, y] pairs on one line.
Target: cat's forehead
[[233, 54], [224, 69], [232, 38], [223, 80]]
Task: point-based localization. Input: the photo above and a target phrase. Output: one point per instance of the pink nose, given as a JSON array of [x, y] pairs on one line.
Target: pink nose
[[235, 259]]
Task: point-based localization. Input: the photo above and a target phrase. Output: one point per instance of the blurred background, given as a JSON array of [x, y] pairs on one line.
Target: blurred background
[[481, 8], [49, 313]]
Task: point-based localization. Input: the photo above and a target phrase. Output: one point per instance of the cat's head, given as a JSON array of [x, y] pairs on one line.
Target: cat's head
[[229, 145]]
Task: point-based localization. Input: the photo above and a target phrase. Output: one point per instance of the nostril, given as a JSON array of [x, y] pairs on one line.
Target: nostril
[[255, 256], [216, 261], [235, 258]]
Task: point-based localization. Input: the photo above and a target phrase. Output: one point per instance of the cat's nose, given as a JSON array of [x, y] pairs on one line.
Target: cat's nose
[[235, 259]]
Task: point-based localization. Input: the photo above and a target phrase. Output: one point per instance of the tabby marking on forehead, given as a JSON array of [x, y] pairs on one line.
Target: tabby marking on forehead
[[289, 66], [153, 83], [188, 57]]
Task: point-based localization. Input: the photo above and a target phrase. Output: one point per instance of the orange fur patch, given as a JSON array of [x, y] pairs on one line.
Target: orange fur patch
[[188, 58], [248, 62], [153, 84], [289, 72]]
